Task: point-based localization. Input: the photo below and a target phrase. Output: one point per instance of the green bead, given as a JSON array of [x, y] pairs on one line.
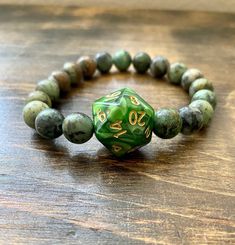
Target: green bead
[[104, 62], [63, 80], [77, 128], [88, 66], [31, 110], [159, 66], [141, 62], [176, 72], [189, 77], [198, 84], [123, 121], [48, 123], [50, 87], [206, 110], [207, 95], [74, 71], [167, 123], [122, 60], [39, 96]]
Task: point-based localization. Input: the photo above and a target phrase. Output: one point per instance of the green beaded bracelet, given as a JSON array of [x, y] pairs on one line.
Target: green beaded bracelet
[[122, 120]]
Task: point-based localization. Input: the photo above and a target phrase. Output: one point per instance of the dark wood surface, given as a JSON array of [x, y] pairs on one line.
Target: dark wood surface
[[178, 191]]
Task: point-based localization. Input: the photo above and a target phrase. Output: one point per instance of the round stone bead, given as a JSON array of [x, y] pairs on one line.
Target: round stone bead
[[205, 108], [190, 76], [88, 66], [39, 96], [159, 66], [141, 62], [31, 110], [167, 123], [207, 95], [48, 123], [104, 62], [74, 71], [176, 72], [192, 120], [122, 60], [78, 128], [63, 80], [50, 87], [198, 84]]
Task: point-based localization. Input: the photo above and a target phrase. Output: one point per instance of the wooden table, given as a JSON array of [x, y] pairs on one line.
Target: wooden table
[[178, 191]]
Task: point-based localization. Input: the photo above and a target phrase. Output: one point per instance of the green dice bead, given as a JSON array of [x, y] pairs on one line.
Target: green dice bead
[[122, 60], [123, 121]]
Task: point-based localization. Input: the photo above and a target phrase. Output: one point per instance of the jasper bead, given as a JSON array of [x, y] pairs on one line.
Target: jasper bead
[[198, 84], [31, 110], [78, 128], [207, 95], [104, 62], [141, 62], [176, 72], [192, 120], [167, 123], [189, 77], [50, 87], [63, 80], [122, 60], [159, 66], [88, 66], [74, 71], [48, 123], [39, 96]]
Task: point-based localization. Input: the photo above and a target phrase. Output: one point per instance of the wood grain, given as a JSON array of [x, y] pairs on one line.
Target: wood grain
[[179, 191]]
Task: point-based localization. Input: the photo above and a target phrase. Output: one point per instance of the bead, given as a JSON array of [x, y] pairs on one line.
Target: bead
[[31, 110], [207, 95], [40, 96], [167, 123], [190, 76], [141, 62], [122, 60], [176, 72], [104, 62], [198, 84], [48, 123], [77, 128], [63, 80], [192, 119], [50, 87], [123, 121], [88, 66], [74, 71], [159, 66], [206, 110]]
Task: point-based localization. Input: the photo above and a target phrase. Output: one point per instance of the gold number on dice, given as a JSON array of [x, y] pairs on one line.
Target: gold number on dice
[[112, 96], [134, 100], [136, 118], [101, 115]]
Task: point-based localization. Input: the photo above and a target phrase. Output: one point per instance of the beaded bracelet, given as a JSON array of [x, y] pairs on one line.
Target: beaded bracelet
[[122, 120]]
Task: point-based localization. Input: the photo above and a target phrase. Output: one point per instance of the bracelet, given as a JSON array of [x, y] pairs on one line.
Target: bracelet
[[122, 120]]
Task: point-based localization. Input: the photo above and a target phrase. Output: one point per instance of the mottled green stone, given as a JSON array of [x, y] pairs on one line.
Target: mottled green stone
[[74, 71], [167, 123], [63, 80], [176, 72], [104, 62], [77, 128], [207, 95], [198, 84], [141, 62], [48, 123], [159, 66], [192, 120], [122, 60], [206, 110], [123, 121], [88, 65], [50, 87], [39, 96], [189, 77], [31, 110]]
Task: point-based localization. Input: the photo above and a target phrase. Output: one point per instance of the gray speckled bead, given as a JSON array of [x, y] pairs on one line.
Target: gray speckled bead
[[192, 119], [50, 87], [159, 66], [78, 128], [141, 62], [122, 60], [198, 84], [39, 96], [48, 123], [74, 71], [190, 76], [207, 95], [167, 123], [176, 72], [205, 108], [88, 65], [104, 62], [31, 110]]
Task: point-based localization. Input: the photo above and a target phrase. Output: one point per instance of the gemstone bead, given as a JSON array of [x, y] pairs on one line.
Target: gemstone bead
[[63, 80], [39, 96], [190, 76], [176, 72], [50, 87], [77, 128], [122, 60], [123, 121], [167, 123], [74, 71], [198, 84], [207, 95], [141, 62], [159, 66], [48, 123], [104, 62], [88, 66]]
